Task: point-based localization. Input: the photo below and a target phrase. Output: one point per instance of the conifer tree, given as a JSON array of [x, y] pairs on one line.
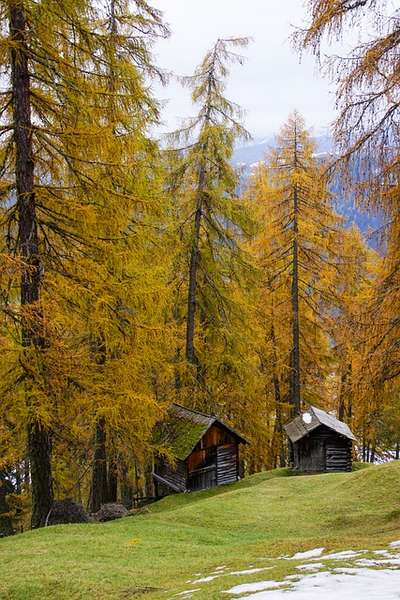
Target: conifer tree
[[366, 132], [67, 164], [367, 89], [206, 185], [297, 253]]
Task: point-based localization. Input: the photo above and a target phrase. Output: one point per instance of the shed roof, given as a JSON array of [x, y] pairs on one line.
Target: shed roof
[[298, 428], [184, 428]]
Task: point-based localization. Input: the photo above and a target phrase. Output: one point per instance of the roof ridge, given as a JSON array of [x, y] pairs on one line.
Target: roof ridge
[[193, 410], [330, 414]]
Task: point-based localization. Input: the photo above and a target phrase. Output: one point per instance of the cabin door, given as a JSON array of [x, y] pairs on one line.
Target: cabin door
[[313, 455]]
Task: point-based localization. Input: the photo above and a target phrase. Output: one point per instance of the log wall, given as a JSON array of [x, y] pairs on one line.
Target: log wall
[[323, 450], [227, 464], [177, 476]]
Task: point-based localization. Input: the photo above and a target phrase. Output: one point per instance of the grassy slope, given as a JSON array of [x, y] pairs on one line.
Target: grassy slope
[[267, 514]]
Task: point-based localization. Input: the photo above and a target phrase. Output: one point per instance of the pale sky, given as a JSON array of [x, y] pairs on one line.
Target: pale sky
[[272, 82]]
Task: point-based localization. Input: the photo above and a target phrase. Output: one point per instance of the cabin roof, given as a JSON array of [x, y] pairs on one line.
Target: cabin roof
[[184, 428], [298, 428]]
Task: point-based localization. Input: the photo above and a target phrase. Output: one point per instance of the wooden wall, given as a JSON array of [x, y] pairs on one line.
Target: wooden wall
[[227, 464], [177, 476], [323, 450], [215, 436], [205, 452]]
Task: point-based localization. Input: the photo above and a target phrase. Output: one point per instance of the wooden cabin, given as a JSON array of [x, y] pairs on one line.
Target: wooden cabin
[[320, 442], [205, 448]]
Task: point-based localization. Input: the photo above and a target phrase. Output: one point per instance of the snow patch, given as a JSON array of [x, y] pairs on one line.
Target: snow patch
[[366, 562], [254, 587], [343, 555], [309, 554], [249, 571], [360, 584], [395, 544], [205, 579], [310, 567]]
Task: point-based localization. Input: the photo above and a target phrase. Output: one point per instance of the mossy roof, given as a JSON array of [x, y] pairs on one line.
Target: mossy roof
[[184, 428]]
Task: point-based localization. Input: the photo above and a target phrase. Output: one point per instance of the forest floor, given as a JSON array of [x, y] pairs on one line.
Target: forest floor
[[268, 533]]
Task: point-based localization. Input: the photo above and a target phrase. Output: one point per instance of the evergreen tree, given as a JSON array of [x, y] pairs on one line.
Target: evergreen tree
[[301, 237], [72, 145], [205, 186]]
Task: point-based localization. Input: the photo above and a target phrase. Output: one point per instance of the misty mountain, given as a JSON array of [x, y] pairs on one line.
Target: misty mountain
[[247, 157]]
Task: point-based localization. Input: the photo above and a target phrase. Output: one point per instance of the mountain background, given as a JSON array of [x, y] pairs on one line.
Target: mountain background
[[247, 158]]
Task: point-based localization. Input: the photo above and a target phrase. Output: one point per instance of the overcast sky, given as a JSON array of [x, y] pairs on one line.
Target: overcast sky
[[272, 82]]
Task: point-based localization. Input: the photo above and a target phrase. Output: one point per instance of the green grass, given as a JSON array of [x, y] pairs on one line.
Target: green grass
[[266, 515]]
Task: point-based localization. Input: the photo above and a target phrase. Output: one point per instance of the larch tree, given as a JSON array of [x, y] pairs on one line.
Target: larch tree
[[296, 251], [358, 267], [213, 220], [366, 130], [367, 135], [68, 163], [270, 310], [125, 34]]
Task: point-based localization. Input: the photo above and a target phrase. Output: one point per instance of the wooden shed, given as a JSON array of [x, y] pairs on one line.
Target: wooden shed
[[320, 442], [206, 451]]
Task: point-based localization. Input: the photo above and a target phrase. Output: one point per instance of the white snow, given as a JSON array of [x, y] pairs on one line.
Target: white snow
[[343, 555], [309, 554], [366, 562], [310, 567], [205, 579], [254, 587], [249, 571], [361, 584], [376, 576]]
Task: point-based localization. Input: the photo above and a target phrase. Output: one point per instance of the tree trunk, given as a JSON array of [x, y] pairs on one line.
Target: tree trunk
[[99, 487], [149, 481], [112, 480], [279, 448], [342, 396], [126, 488], [372, 454], [345, 381], [195, 250], [295, 357], [39, 444], [18, 479], [193, 270], [39, 438], [27, 473]]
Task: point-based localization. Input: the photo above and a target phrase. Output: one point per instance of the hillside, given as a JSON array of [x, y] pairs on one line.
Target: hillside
[[181, 538]]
